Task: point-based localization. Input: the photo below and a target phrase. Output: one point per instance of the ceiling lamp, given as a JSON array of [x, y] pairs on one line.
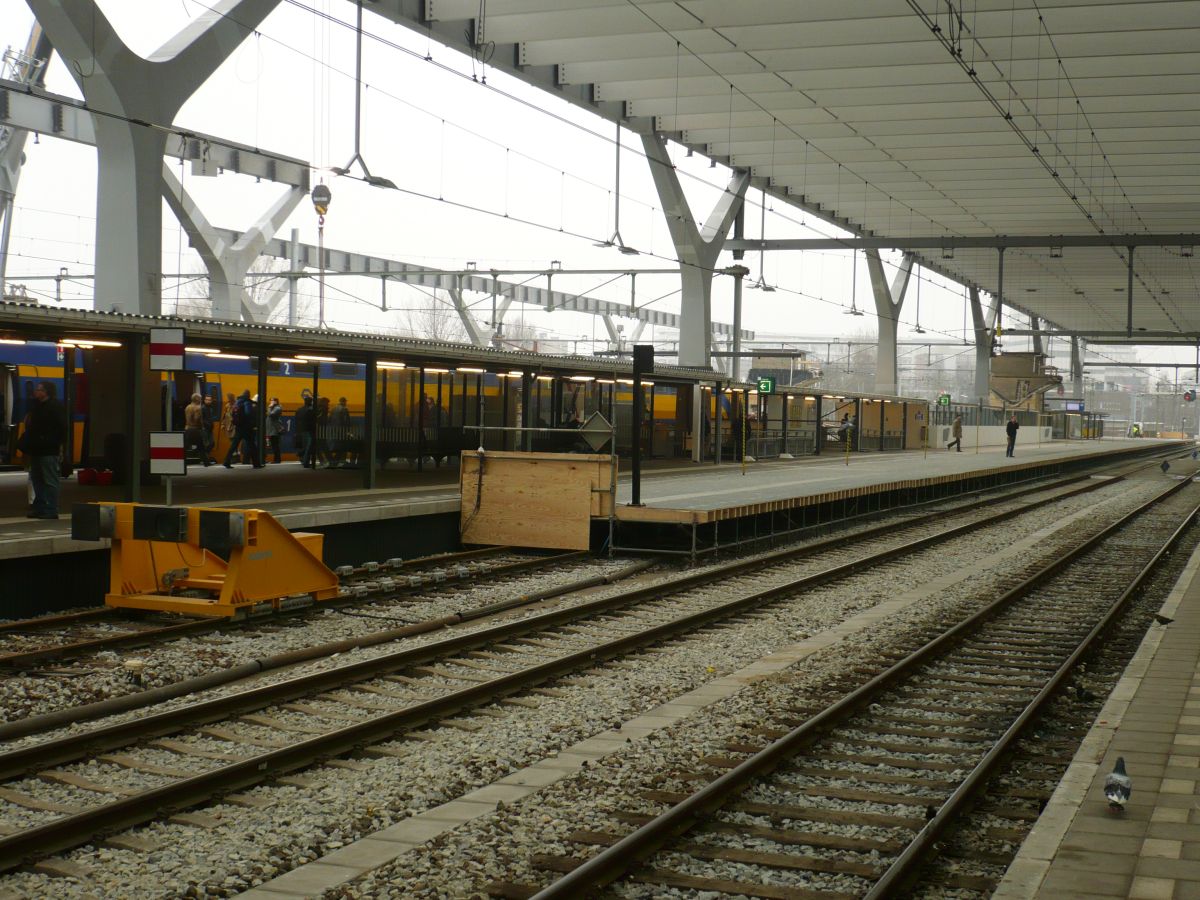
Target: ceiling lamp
[[312, 357]]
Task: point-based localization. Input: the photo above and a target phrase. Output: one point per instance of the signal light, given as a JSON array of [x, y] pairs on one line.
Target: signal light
[[1189, 396]]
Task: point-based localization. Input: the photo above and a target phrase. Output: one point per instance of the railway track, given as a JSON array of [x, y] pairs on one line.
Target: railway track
[[30, 642], [69, 636], [850, 801], [269, 731]]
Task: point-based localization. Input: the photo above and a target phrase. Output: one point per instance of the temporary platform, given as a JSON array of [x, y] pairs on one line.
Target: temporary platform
[[722, 506]]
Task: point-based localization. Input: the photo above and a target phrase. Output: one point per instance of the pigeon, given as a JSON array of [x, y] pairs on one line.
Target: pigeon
[[1118, 786], [1165, 466], [1162, 620]]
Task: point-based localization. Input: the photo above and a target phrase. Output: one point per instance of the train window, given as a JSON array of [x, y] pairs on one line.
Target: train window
[[350, 370]]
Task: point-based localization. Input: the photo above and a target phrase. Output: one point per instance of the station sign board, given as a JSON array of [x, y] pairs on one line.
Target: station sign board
[[943, 400], [167, 456], [166, 349], [766, 384]]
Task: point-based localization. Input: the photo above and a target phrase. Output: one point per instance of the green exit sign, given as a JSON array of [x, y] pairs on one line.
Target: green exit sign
[[943, 399], [766, 385]]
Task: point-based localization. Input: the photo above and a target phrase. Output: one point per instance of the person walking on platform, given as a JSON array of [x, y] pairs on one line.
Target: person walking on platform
[[243, 432], [306, 426], [193, 428], [275, 428], [339, 423], [1011, 429], [45, 429], [209, 411], [956, 433]]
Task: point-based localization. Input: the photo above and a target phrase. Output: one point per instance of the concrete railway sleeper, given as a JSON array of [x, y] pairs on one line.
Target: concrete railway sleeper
[[902, 755], [454, 660]]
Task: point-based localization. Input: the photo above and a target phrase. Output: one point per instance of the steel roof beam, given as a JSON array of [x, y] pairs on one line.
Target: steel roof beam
[[441, 279], [33, 109], [969, 242]]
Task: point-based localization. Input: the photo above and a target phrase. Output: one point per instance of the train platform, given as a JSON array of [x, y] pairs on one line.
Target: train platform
[[1078, 848], [672, 492]]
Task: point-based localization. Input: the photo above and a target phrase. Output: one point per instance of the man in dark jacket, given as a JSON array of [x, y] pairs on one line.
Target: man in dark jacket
[[306, 428], [45, 429], [244, 419], [1011, 430]]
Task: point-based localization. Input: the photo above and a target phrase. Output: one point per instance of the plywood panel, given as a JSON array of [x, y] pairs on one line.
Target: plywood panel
[[533, 499]]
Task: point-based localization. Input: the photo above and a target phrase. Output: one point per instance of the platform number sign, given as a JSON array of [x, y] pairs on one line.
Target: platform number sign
[[766, 385], [943, 400]]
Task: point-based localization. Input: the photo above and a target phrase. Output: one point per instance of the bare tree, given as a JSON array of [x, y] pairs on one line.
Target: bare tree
[[428, 316]]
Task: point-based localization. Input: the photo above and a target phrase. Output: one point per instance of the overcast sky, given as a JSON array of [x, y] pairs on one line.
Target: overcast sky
[[496, 173]]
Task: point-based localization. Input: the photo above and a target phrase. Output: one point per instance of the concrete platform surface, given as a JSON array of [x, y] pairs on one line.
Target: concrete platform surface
[[306, 498]]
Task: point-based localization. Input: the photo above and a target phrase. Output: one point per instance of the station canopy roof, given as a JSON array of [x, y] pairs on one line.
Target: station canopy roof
[[37, 322], [911, 118]]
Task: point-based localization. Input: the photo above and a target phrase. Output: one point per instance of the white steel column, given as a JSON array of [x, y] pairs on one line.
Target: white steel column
[[1077, 352], [888, 303], [697, 249], [478, 336], [227, 264], [132, 91], [28, 68], [1035, 325], [985, 325]]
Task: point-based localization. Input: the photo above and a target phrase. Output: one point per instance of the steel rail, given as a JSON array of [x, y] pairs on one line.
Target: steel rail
[[902, 868], [73, 830], [615, 860], [77, 746], [114, 705], [40, 622], [203, 626]]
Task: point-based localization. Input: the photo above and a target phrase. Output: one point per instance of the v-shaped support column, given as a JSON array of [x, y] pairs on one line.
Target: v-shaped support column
[[228, 264], [985, 332], [478, 335], [888, 303], [137, 93], [697, 248]]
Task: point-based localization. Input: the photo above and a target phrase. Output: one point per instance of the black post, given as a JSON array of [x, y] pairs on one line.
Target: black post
[[68, 401], [316, 434], [819, 432], [882, 421], [371, 412], [527, 401], [643, 364], [717, 424], [261, 424], [421, 419]]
